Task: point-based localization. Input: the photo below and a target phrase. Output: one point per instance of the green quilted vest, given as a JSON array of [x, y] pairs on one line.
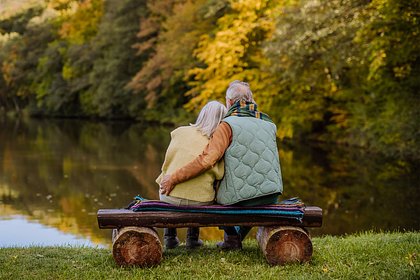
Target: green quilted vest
[[252, 167]]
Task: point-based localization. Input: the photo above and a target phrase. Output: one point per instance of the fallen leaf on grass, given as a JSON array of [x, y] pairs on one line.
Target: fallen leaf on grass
[[411, 258]]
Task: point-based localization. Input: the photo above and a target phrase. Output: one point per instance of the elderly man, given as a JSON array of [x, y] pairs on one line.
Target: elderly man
[[247, 140]]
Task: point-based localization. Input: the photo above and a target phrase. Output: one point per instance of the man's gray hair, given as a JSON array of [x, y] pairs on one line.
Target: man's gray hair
[[210, 117], [239, 90]]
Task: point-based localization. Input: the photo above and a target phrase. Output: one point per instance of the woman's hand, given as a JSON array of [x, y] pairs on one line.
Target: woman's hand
[[166, 185]]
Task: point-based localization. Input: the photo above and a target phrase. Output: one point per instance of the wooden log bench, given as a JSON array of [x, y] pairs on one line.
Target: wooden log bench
[[136, 242]]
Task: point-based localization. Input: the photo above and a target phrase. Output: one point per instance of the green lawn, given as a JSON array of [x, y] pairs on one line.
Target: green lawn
[[362, 256]]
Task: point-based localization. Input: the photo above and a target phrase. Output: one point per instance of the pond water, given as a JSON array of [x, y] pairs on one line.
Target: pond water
[[56, 174]]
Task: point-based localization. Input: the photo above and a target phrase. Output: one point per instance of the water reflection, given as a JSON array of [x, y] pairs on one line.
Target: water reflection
[[15, 233], [59, 173]]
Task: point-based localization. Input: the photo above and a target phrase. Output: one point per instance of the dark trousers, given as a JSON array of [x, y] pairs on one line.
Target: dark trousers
[[242, 231]]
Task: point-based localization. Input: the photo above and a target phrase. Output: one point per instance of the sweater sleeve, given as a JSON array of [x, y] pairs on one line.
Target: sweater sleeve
[[213, 152]]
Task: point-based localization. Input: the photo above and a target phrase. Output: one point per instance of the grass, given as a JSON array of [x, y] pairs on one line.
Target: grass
[[361, 256]]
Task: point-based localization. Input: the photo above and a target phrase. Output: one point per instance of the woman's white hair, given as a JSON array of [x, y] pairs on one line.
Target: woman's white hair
[[239, 90], [210, 117]]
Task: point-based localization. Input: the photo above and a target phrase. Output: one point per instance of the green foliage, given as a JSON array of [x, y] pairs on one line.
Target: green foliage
[[19, 61], [18, 22], [335, 71], [390, 42], [311, 70], [347, 73], [44, 57], [113, 65]]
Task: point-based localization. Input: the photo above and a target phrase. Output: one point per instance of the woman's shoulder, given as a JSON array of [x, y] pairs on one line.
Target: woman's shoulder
[[187, 130], [184, 129]]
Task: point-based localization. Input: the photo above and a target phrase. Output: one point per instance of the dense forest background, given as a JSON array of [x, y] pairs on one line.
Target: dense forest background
[[342, 71]]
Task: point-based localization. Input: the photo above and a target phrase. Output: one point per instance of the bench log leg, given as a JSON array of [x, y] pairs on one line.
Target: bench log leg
[[136, 246], [286, 244]]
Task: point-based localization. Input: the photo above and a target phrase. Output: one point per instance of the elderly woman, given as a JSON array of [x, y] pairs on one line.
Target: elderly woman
[[187, 142]]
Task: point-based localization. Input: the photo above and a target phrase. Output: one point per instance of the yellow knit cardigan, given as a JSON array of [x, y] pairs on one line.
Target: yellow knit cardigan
[[187, 143]]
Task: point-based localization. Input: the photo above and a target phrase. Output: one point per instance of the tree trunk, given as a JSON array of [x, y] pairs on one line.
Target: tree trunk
[[136, 246], [282, 245]]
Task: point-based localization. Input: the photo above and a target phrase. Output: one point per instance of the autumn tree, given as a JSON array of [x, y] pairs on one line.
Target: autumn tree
[[168, 37], [114, 62], [232, 51]]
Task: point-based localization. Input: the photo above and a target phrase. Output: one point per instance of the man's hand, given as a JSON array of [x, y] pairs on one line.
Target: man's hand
[[166, 185]]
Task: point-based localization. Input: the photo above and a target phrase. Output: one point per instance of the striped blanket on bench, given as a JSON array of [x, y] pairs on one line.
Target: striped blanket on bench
[[292, 208]]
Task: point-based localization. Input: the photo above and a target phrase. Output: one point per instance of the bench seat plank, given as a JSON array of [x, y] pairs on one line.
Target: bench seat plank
[[118, 218]]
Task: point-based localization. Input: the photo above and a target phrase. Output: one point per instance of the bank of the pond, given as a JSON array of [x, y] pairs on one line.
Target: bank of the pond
[[362, 256]]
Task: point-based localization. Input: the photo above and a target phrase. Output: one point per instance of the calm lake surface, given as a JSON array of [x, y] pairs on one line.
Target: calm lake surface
[[56, 174]]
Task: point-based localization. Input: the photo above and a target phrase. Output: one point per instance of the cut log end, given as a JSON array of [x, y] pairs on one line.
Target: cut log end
[[136, 246], [281, 245]]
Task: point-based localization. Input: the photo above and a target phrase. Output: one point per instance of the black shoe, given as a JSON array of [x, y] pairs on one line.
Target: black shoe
[[192, 238], [231, 242], [170, 240]]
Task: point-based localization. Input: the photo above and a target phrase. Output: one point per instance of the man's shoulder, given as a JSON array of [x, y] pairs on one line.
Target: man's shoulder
[[251, 123], [247, 119]]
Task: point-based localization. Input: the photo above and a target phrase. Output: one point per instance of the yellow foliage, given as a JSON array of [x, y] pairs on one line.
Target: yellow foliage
[[232, 53], [285, 131], [340, 117], [402, 71], [67, 72], [378, 61], [82, 25]]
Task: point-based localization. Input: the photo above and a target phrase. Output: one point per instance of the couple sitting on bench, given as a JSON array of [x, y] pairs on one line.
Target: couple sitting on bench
[[234, 148]]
